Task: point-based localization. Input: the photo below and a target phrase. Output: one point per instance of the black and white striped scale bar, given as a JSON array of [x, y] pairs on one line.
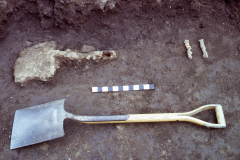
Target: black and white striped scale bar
[[123, 88]]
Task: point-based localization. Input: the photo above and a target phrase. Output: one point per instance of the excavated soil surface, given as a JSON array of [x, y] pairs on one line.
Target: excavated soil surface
[[148, 37]]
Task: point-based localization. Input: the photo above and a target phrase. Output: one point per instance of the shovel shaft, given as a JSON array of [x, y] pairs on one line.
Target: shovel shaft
[[83, 119], [157, 117], [162, 118]]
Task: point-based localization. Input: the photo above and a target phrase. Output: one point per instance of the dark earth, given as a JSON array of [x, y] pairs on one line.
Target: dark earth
[[148, 37]]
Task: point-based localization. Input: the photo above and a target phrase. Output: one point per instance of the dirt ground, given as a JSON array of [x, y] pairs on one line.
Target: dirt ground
[[148, 37]]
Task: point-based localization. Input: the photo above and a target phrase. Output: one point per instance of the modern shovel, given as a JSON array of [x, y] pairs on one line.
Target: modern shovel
[[45, 122]]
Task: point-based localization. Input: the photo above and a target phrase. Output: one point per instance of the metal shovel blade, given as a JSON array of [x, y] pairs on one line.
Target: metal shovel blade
[[38, 124]]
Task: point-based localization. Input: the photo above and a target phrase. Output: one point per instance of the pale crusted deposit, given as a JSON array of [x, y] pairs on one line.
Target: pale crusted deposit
[[41, 61], [202, 45], [189, 52]]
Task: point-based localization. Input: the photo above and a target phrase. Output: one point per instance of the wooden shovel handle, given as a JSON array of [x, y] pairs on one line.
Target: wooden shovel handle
[[158, 117]]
